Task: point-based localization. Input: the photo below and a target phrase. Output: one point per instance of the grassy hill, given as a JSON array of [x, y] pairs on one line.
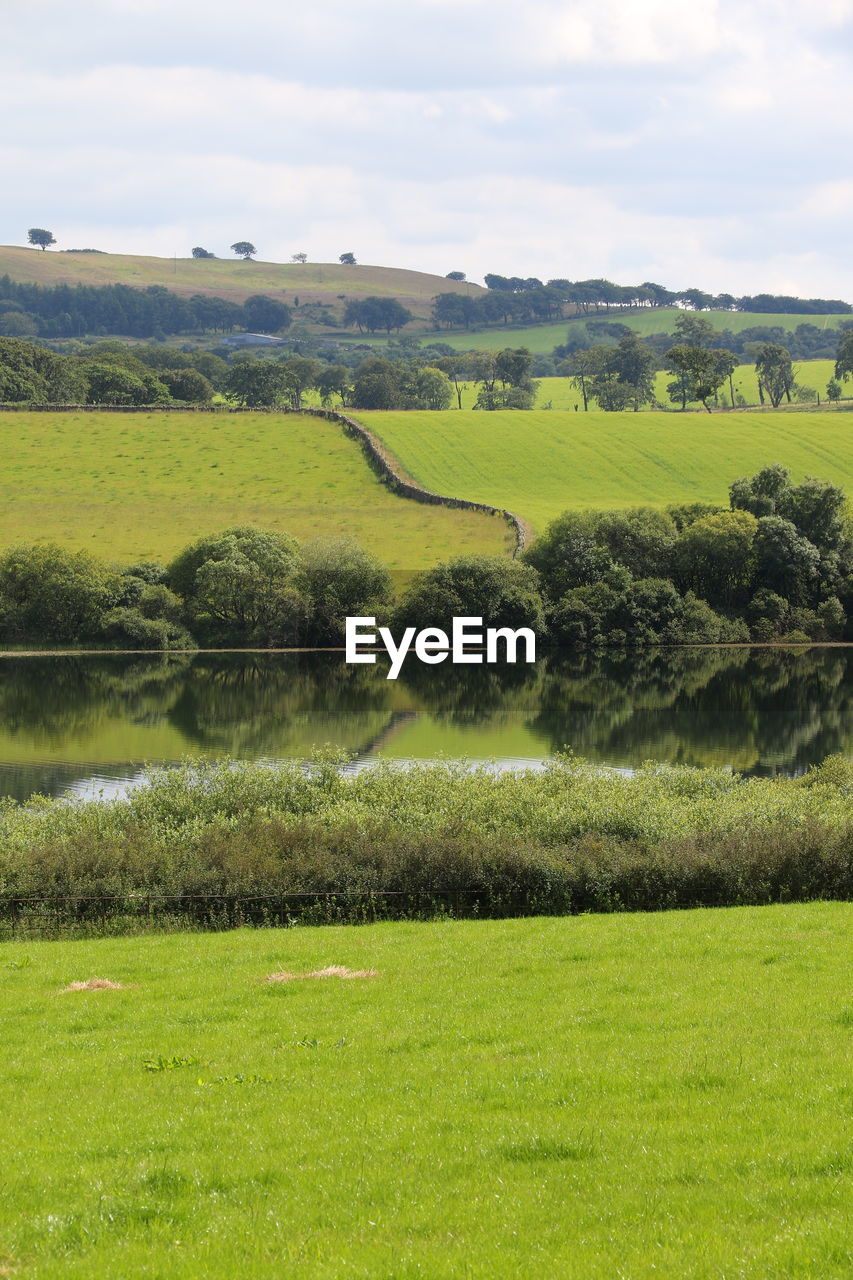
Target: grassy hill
[[593, 1096], [232, 277], [138, 486], [542, 462]]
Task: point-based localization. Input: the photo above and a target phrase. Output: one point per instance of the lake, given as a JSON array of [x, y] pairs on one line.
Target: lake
[[90, 723]]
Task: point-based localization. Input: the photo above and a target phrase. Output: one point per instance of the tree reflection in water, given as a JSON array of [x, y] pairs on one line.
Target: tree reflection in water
[[760, 710]]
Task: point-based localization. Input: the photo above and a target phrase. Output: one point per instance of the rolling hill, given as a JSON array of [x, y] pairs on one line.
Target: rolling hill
[[232, 278]]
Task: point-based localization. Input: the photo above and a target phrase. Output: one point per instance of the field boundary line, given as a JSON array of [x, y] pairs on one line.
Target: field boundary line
[[390, 470]]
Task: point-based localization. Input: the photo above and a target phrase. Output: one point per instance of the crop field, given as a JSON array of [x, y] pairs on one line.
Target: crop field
[[542, 462], [143, 485], [230, 277], [588, 1097]]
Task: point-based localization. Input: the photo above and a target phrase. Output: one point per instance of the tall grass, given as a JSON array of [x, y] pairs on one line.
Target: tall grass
[[225, 843]]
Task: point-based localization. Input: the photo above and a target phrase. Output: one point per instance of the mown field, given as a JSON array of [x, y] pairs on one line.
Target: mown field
[[143, 485], [588, 1097], [542, 462], [231, 277]]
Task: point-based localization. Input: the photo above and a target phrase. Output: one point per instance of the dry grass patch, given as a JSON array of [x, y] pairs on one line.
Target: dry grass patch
[[331, 971], [94, 984]]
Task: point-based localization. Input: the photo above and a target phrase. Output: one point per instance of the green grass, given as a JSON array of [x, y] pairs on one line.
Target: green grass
[[542, 338], [542, 462], [143, 485], [232, 278], [588, 1098], [559, 393]]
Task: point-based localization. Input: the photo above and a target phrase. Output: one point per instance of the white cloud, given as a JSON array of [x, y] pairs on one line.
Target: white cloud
[[703, 142]]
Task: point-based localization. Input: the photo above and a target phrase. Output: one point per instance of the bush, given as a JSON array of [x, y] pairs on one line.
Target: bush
[[48, 594]]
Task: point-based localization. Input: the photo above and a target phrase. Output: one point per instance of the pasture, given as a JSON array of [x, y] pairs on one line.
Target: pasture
[[136, 486], [231, 277], [542, 462], [559, 393], [542, 338], [588, 1097]]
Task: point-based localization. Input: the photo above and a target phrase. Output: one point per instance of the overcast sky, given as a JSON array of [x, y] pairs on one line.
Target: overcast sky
[[692, 142]]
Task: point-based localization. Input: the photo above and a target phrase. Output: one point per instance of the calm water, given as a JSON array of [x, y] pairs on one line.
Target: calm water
[[92, 722]]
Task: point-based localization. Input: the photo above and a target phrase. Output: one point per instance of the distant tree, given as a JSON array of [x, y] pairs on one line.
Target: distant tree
[[454, 368], [38, 236], [255, 383], [453, 309], [187, 385], [377, 313], [299, 257], [833, 390], [844, 356], [334, 380], [348, 259], [430, 388], [115, 383], [701, 372], [300, 373], [266, 315], [455, 275], [17, 324], [198, 252], [581, 367], [244, 249], [775, 372], [626, 375]]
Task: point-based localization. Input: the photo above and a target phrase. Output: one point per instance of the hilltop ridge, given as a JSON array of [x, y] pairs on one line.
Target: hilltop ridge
[[232, 278]]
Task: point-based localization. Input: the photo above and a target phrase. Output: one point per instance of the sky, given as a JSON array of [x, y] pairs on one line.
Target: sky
[[696, 143]]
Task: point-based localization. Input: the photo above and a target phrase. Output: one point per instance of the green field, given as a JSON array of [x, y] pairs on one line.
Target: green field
[[542, 462], [232, 277], [143, 485], [559, 393], [586, 1097], [542, 338]]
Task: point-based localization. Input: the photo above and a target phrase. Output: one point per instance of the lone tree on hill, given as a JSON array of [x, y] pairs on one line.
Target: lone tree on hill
[[244, 249], [299, 257], [348, 259], [40, 237], [455, 275], [198, 252]]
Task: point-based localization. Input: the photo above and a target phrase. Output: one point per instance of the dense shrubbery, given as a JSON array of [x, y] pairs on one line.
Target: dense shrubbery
[[241, 587], [226, 842], [778, 563]]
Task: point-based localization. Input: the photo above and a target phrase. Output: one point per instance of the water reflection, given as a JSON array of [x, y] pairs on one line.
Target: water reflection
[[68, 720]]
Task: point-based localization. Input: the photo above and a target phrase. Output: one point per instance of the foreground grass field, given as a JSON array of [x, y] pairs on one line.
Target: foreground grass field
[[588, 1098], [540, 463], [141, 486]]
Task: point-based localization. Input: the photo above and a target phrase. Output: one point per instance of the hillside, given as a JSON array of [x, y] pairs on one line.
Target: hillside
[[231, 278], [141, 486], [542, 462]]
